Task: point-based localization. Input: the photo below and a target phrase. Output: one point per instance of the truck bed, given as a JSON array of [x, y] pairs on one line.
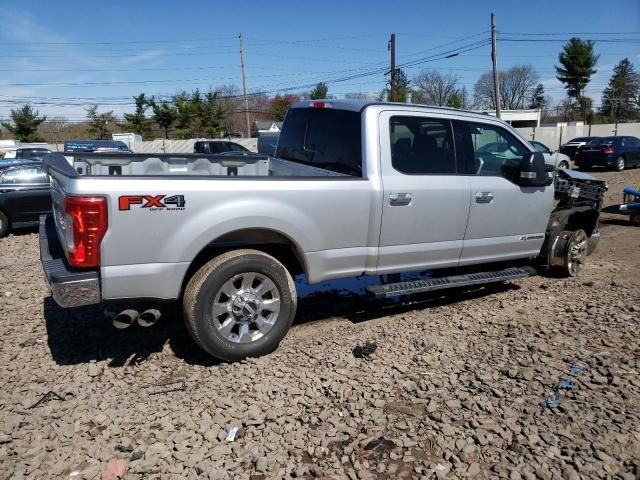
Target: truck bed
[[74, 164]]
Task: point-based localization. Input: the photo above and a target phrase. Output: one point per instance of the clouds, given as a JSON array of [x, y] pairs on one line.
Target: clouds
[[34, 57]]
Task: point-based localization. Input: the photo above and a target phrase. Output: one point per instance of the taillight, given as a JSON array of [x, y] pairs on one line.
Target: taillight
[[579, 149], [86, 224], [607, 150]]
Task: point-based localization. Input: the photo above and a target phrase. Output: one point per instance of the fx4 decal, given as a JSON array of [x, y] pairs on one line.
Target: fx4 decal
[[152, 202]]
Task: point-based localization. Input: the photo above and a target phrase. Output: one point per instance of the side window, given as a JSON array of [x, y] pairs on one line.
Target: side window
[[324, 138], [24, 176], [496, 151], [422, 146], [540, 147]]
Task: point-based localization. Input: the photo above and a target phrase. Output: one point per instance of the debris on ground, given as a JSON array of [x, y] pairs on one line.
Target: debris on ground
[[115, 469], [231, 434], [167, 387], [50, 395], [365, 351]]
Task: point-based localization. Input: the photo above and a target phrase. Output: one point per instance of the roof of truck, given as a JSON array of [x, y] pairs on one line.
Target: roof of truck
[[359, 105]]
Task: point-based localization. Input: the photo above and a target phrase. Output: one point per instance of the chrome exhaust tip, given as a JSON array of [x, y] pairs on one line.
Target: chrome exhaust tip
[[149, 317], [125, 319]]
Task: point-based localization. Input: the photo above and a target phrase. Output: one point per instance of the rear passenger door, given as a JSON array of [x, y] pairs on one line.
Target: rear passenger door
[[506, 221], [426, 199]]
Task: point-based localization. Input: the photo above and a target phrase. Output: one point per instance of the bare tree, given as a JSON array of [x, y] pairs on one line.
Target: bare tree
[[53, 130], [516, 87], [435, 88]]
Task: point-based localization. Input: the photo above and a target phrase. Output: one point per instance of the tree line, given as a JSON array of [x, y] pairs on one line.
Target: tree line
[[220, 111]]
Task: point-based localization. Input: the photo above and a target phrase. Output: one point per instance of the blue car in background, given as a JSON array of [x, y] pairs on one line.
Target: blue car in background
[[617, 153]]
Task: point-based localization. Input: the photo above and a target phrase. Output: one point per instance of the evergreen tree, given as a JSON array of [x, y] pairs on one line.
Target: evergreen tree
[[26, 121], [400, 88], [280, 104], [164, 114], [137, 121], [319, 91], [538, 99], [620, 96], [577, 62], [100, 123]]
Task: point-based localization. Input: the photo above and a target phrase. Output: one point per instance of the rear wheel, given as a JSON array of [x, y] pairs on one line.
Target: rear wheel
[[4, 225], [240, 304], [563, 164], [620, 164]]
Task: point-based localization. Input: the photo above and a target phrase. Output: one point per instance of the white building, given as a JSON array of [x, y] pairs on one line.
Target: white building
[[518, 118]]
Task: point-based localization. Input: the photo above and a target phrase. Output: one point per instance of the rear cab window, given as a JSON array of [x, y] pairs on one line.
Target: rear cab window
[[324, 138]]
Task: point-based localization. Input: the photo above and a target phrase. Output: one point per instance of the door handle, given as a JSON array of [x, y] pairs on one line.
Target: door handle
[[484, 197], [399, 199]]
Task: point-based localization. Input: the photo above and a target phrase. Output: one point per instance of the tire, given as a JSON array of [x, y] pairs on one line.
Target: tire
[[635, 219], [4, 225], [563, 165], [620, 164], [575, 252], [245, 288]]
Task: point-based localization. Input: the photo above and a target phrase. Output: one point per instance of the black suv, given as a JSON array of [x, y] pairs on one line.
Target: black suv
[[218, 146]]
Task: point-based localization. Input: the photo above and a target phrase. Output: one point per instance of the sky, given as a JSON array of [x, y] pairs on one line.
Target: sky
[[63, 56]]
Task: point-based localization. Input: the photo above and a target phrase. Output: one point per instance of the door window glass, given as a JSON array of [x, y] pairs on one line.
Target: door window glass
[[496, 151], [421, 146]]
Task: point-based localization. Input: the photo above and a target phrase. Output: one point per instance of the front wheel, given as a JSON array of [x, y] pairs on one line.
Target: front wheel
[[240, 304], [620, 164], [575, 252]]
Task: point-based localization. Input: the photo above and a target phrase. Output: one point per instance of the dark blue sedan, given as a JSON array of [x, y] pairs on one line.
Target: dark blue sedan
[[617, 153]]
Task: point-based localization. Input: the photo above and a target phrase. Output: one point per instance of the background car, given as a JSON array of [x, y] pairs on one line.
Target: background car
[[556, 159], [218, 146], [572, 145], [32, 153], [617, 153], [24, 195], [267, 143]]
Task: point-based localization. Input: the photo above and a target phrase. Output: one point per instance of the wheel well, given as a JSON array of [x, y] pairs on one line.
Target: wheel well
[[586, 220], [270, 242]]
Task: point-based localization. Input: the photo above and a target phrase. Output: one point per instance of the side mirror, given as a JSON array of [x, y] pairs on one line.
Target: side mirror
[[533, 170]]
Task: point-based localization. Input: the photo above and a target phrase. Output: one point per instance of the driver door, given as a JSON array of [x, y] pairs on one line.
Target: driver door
[[506, 221]]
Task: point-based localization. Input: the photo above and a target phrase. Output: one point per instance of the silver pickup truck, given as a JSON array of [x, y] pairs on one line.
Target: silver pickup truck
[[354, 188]]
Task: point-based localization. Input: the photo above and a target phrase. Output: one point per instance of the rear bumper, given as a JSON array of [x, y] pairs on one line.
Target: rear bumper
[[69, 288], [604, 161]]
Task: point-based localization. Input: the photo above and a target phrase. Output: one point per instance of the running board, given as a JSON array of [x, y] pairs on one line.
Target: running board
[[470, 279]]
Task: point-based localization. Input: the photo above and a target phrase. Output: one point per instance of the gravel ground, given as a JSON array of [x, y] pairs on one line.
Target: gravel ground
[[456, 388]]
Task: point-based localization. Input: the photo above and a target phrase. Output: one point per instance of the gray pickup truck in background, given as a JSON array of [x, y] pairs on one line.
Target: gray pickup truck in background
[[354, 188]]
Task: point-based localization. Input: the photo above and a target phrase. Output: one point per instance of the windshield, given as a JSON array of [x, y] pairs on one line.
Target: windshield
[[579, 139], [594, 141]]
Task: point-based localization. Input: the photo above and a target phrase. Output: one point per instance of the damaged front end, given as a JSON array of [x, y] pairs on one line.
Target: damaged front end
[[572, 232]]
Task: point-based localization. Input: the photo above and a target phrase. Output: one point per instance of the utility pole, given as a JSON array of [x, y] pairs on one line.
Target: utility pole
[[244, 88], [494, 58], [392, 47]]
